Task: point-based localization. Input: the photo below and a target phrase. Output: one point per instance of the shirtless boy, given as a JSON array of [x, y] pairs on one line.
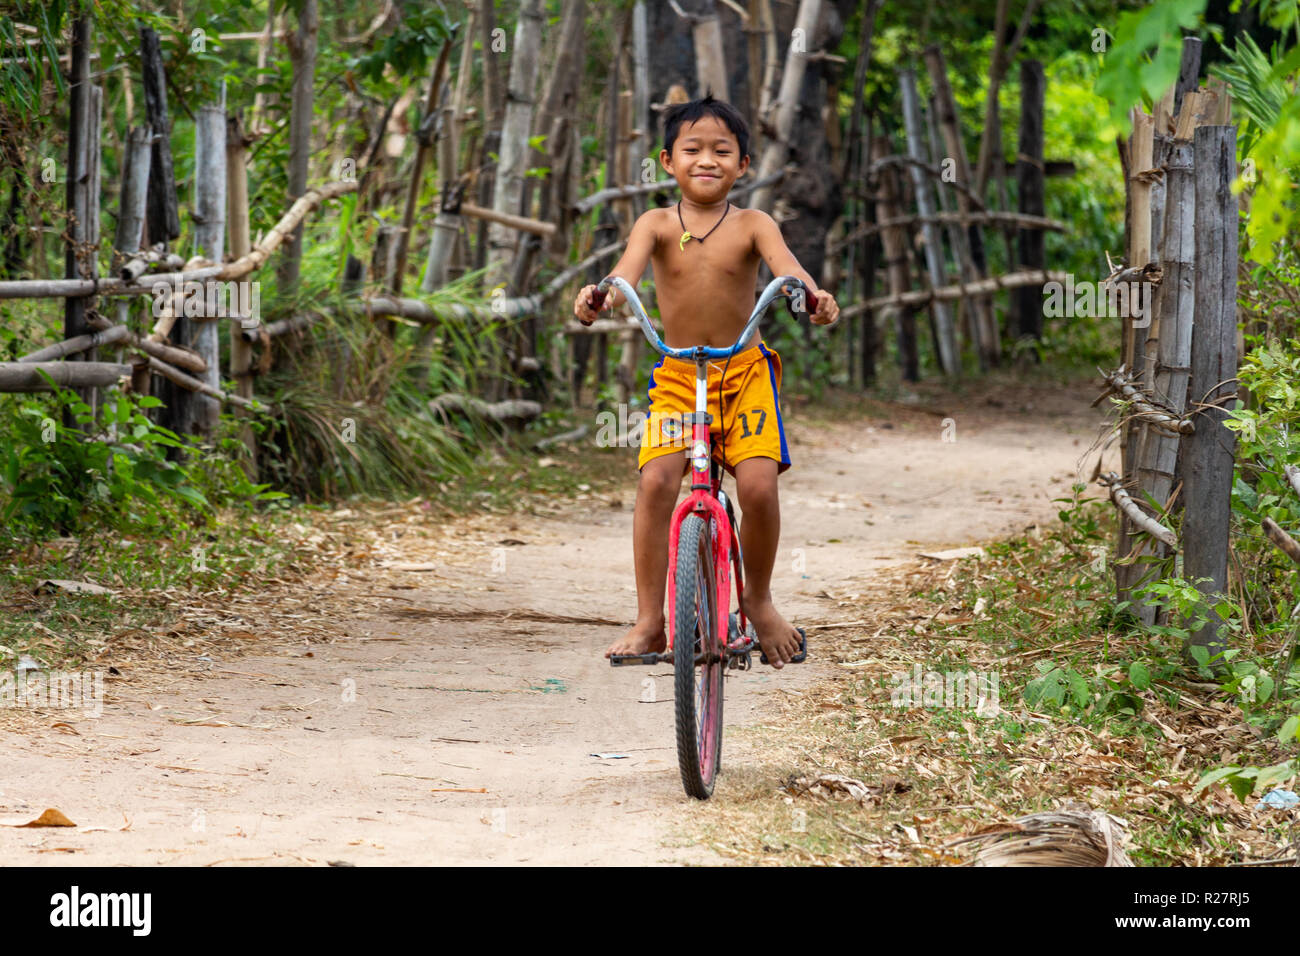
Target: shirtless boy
[[705, 252]]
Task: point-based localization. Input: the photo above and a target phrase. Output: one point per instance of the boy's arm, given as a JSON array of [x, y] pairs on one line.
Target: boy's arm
[[770, 244], [640, 246]]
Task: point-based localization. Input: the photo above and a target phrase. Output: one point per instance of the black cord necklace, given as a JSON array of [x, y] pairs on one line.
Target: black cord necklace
[[686, 234]]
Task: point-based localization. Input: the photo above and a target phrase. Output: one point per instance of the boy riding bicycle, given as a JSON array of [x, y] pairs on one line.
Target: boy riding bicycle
[[705, 254]]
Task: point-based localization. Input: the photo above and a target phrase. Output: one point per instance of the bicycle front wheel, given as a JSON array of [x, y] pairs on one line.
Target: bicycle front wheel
[[697, 658]]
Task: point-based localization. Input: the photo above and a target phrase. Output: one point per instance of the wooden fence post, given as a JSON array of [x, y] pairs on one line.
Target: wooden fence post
[[209, 241], [1029, 194], [945, 108], [132, 203], [164, 222], [893, 239], [241, 244], [1170, 339], [79, 260], [945, 334], [1209, 453]]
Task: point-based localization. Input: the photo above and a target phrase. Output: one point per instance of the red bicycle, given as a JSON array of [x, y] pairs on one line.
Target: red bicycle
[[703, 549]]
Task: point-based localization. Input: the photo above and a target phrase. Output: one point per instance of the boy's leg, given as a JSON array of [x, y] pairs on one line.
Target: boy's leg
[[760, 530], [656, 496]]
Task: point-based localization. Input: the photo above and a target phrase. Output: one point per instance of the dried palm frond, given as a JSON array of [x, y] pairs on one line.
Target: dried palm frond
[[1076, 835]]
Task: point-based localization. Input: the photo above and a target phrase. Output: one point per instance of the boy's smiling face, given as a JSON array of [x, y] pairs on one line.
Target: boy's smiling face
[[705, 160]]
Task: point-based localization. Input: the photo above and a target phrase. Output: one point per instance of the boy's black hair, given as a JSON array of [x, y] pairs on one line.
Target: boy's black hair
[[683, 113]]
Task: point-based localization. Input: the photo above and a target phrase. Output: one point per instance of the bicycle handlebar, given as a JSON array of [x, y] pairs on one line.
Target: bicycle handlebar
[[775, 288]]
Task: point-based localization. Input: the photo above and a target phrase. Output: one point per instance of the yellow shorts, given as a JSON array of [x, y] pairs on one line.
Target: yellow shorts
[[750, 396]]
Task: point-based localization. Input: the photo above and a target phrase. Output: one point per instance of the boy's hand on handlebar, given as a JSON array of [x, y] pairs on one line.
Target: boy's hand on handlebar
[[827, 309], [582, 304]]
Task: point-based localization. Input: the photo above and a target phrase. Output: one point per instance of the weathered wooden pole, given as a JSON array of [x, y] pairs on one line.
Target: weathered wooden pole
[[1210, 450], [945, 107], [796, 64], [710, 63], [509, 186], [241, 244], [424, 148], [79, 259], [1029, 192], [945, 333], [209, 243], [302, 52], [1171, 340], [893, 240], [163, 220]]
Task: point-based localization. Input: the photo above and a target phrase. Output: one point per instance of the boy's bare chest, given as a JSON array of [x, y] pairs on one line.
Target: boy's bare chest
[[725, 256]]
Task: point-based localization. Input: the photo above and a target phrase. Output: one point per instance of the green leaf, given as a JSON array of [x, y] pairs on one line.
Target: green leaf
[[1139, 676]]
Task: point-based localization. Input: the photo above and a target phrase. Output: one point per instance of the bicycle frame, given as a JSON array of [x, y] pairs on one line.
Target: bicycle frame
[[706, 497]]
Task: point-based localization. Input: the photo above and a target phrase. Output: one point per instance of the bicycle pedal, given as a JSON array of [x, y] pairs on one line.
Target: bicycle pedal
[[623, 660], [803, 649]]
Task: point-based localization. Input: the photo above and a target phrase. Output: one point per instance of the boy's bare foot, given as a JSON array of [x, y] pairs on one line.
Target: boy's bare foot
[[776, 635], [645, 637]]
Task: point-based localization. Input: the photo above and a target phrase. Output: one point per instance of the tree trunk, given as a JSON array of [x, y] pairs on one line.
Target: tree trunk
[[893, 240]]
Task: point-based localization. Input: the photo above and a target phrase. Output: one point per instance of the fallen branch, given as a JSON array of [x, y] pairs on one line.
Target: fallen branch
[[1125, 503], [1284, 541], [509, 412], [571, 435]]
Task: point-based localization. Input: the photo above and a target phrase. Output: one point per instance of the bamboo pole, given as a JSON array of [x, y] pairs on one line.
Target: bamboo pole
[[973, 245], [302, 52], [955, 218], [509, 185], [796, 62], [26, 376], [945, 334], [949, 293], [893, 240], [424, 146], [79, 261], [132, 208], [163, 218], [710, 63], [241, 352], [210, 177], [79, 343]]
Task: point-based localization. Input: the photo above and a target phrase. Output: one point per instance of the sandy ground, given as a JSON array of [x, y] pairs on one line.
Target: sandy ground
[[373, 748]]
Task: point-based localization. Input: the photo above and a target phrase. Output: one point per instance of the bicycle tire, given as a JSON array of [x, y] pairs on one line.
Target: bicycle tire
[[698, 695]]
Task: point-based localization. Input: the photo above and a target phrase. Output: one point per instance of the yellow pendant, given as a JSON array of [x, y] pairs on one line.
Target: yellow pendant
[[681, 243]]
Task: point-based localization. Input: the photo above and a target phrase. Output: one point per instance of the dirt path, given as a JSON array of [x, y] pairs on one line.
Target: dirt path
[[461, 678]]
